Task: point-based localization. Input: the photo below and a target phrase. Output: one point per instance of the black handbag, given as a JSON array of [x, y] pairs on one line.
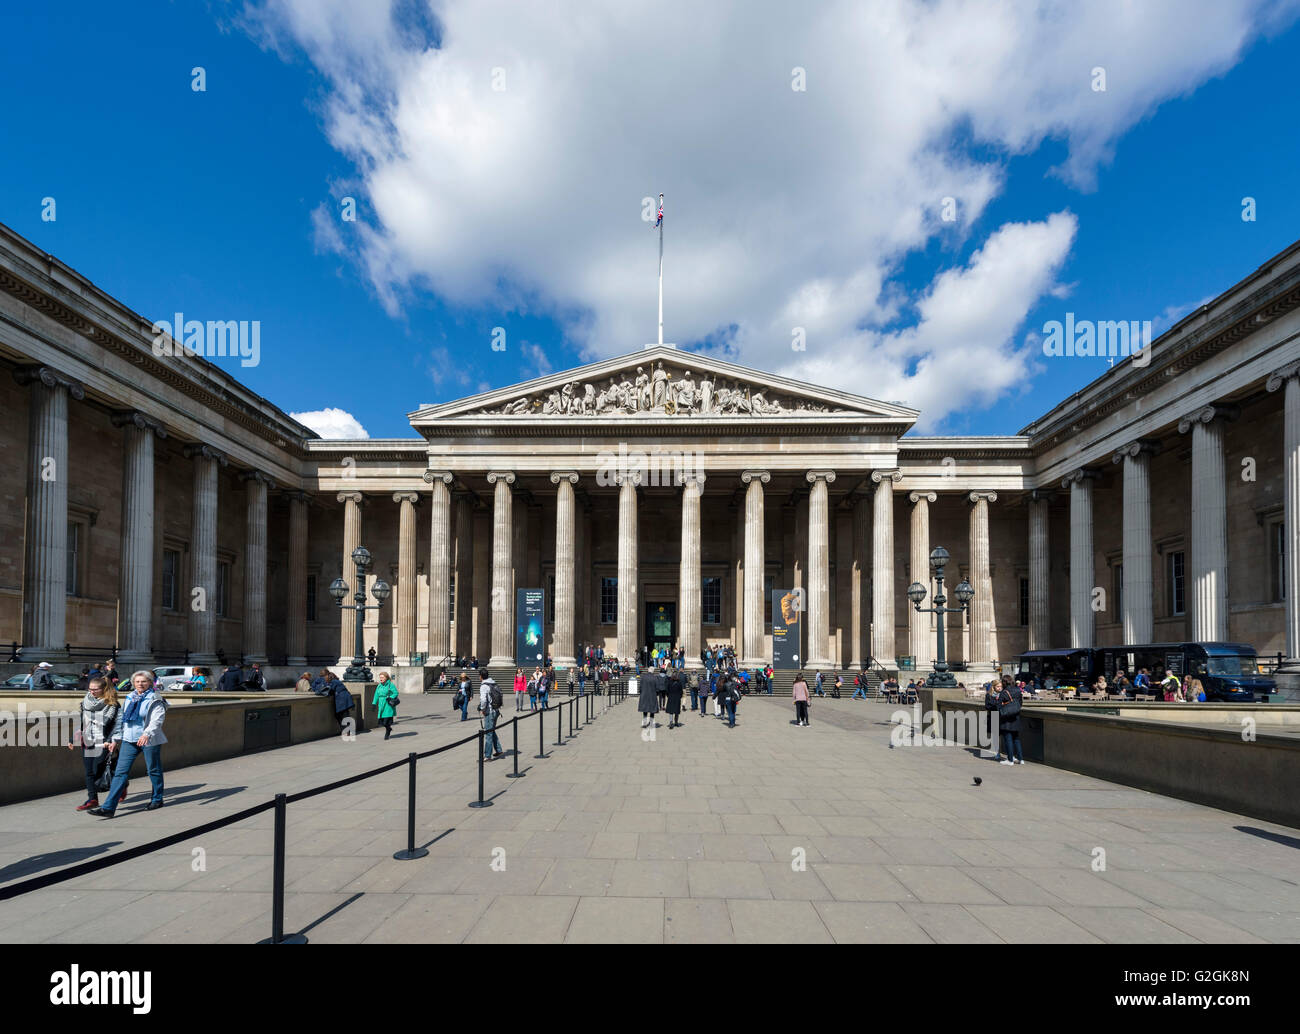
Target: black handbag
[[105, 778]]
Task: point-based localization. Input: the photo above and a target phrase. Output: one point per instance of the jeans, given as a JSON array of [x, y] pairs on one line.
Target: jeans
[[731, 712], [1010, 740], [819, 691], [695, 699], [491, 741], [126, 755], [860, 692], [532, 701], [464, 709]]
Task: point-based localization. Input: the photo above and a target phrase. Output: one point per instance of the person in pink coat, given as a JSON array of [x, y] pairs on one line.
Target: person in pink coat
[[800, 692]]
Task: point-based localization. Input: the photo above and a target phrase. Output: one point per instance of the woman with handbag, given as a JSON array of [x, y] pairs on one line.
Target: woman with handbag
[[1009, 704], [386, 699], [99, 713]]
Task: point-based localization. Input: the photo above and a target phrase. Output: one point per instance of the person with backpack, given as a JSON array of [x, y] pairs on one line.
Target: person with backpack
[[732, 699], [860, 684], [99, 713], [230, 680], [818, 685], [386, 700], [800, 693], [1009, 702], [489, 705], [138, 731]]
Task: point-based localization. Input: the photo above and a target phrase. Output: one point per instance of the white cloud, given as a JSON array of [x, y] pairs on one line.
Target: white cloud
[[783, 208], [332, 423]]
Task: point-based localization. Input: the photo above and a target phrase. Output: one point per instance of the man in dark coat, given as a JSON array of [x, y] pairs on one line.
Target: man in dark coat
[[648, 696], [229, 681], [673, 697]]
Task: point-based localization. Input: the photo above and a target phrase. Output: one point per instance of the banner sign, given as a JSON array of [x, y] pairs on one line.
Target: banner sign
[[530, 628], [787, 621]]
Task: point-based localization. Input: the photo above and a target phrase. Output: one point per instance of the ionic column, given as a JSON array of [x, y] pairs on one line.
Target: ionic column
[[203, 554], [627, 564], [921, 642], [819, 560], [295, 621], [135, 611], [45, 585], [503, 604], [1082, 573], [1289, 377], [882, 555], [860, 601], [981, 604], [1137, 607], [564, 567], [404, 636], [751, 645], [439, 566], [1207, 591], [352, 502], [1039, 561], [255, 483], [689, 587]]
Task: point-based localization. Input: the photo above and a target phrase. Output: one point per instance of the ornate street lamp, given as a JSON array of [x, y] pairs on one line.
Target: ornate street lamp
[[941, 677], [357, 670]]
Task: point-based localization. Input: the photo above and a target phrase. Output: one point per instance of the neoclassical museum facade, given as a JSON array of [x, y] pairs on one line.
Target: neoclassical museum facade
[[659, 495]]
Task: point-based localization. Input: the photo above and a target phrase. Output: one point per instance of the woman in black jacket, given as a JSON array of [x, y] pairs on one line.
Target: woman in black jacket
[[1009, 704]]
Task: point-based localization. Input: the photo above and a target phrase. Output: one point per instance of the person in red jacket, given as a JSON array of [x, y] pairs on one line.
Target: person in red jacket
[[521, 687]]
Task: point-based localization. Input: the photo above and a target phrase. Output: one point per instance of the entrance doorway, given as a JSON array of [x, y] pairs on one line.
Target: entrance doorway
[[661, 625]]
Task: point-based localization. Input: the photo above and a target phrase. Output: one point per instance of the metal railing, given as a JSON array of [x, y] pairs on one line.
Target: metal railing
[[280, 804]]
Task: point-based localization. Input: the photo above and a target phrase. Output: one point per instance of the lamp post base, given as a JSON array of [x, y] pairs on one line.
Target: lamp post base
[[940, 680], [357, 673]]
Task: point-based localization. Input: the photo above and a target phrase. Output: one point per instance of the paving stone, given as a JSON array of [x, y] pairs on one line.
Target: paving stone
[[852, 922], [697, 921], [777, 922], [622, 920]]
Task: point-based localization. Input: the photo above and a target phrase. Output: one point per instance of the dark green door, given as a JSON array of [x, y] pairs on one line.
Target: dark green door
[[661, 625]]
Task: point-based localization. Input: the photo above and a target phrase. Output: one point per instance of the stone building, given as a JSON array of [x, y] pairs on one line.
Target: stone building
[[154, 504]]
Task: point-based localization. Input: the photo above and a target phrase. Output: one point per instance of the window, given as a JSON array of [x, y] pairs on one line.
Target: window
[[1277, 546], [311, 597], [769, 585], [451, 596], [171, 564], [550, 600], [1174, 579], [711, 602], [1117, 590], [1024, 601], [223, 589], [609, 601], [73, 558]]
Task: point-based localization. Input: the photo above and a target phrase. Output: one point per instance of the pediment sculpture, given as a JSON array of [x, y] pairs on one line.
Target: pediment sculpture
[[658, 391]]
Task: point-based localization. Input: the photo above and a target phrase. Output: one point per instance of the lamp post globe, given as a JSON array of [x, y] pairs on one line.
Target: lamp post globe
[[361, 557], [916, 593], [381, 590], [938, 558], [338, 589], [964, 592]]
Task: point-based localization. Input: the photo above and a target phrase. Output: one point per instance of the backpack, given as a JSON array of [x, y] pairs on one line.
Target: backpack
[[494, 696]]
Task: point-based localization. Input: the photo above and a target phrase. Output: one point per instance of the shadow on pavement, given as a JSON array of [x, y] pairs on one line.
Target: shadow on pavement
[[1277, 838], [53, 860]]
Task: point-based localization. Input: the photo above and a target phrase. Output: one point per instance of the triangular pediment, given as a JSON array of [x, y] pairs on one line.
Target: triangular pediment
[[658, 383]]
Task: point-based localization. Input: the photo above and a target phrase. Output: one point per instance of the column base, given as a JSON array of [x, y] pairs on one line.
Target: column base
[[295, 662], [34, 655], [207, 660], [256, 658], [564, 662], [501, 662]]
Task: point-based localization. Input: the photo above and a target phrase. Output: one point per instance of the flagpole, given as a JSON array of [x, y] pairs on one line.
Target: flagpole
[[661, 273]]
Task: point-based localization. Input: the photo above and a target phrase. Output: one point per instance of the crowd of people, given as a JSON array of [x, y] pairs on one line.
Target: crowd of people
[[1163, 685]]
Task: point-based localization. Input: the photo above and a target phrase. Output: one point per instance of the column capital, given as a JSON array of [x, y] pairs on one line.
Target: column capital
[[894, 475], [207, 452], [1079, 476], [1136, 449], [821, 475], [351, 497], [1279, 377], [50, 377], [975, 497], [1209, 414], [763, 476], [445, 476], [626, 477], [1040, 495], [256, 475], [571, 476], [296, 495], [407, 497], [508, 476], [135, 418], [916, 497], [693, 478]]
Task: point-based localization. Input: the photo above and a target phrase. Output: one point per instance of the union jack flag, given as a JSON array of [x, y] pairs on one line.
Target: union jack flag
[[660, 219]]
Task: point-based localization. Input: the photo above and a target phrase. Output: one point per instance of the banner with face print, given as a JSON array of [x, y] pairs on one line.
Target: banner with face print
[[787, 625]]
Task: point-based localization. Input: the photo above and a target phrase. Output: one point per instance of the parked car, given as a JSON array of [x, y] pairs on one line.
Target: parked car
[[175, 677], [61, 681]]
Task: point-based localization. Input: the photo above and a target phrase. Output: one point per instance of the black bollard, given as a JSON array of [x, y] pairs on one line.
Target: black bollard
[[559, 726], [411, 851], [277, 880], [541, 735], [516, 774], [480, 803]]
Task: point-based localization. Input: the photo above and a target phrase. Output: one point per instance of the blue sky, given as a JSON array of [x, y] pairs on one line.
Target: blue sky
[[477, 211]]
